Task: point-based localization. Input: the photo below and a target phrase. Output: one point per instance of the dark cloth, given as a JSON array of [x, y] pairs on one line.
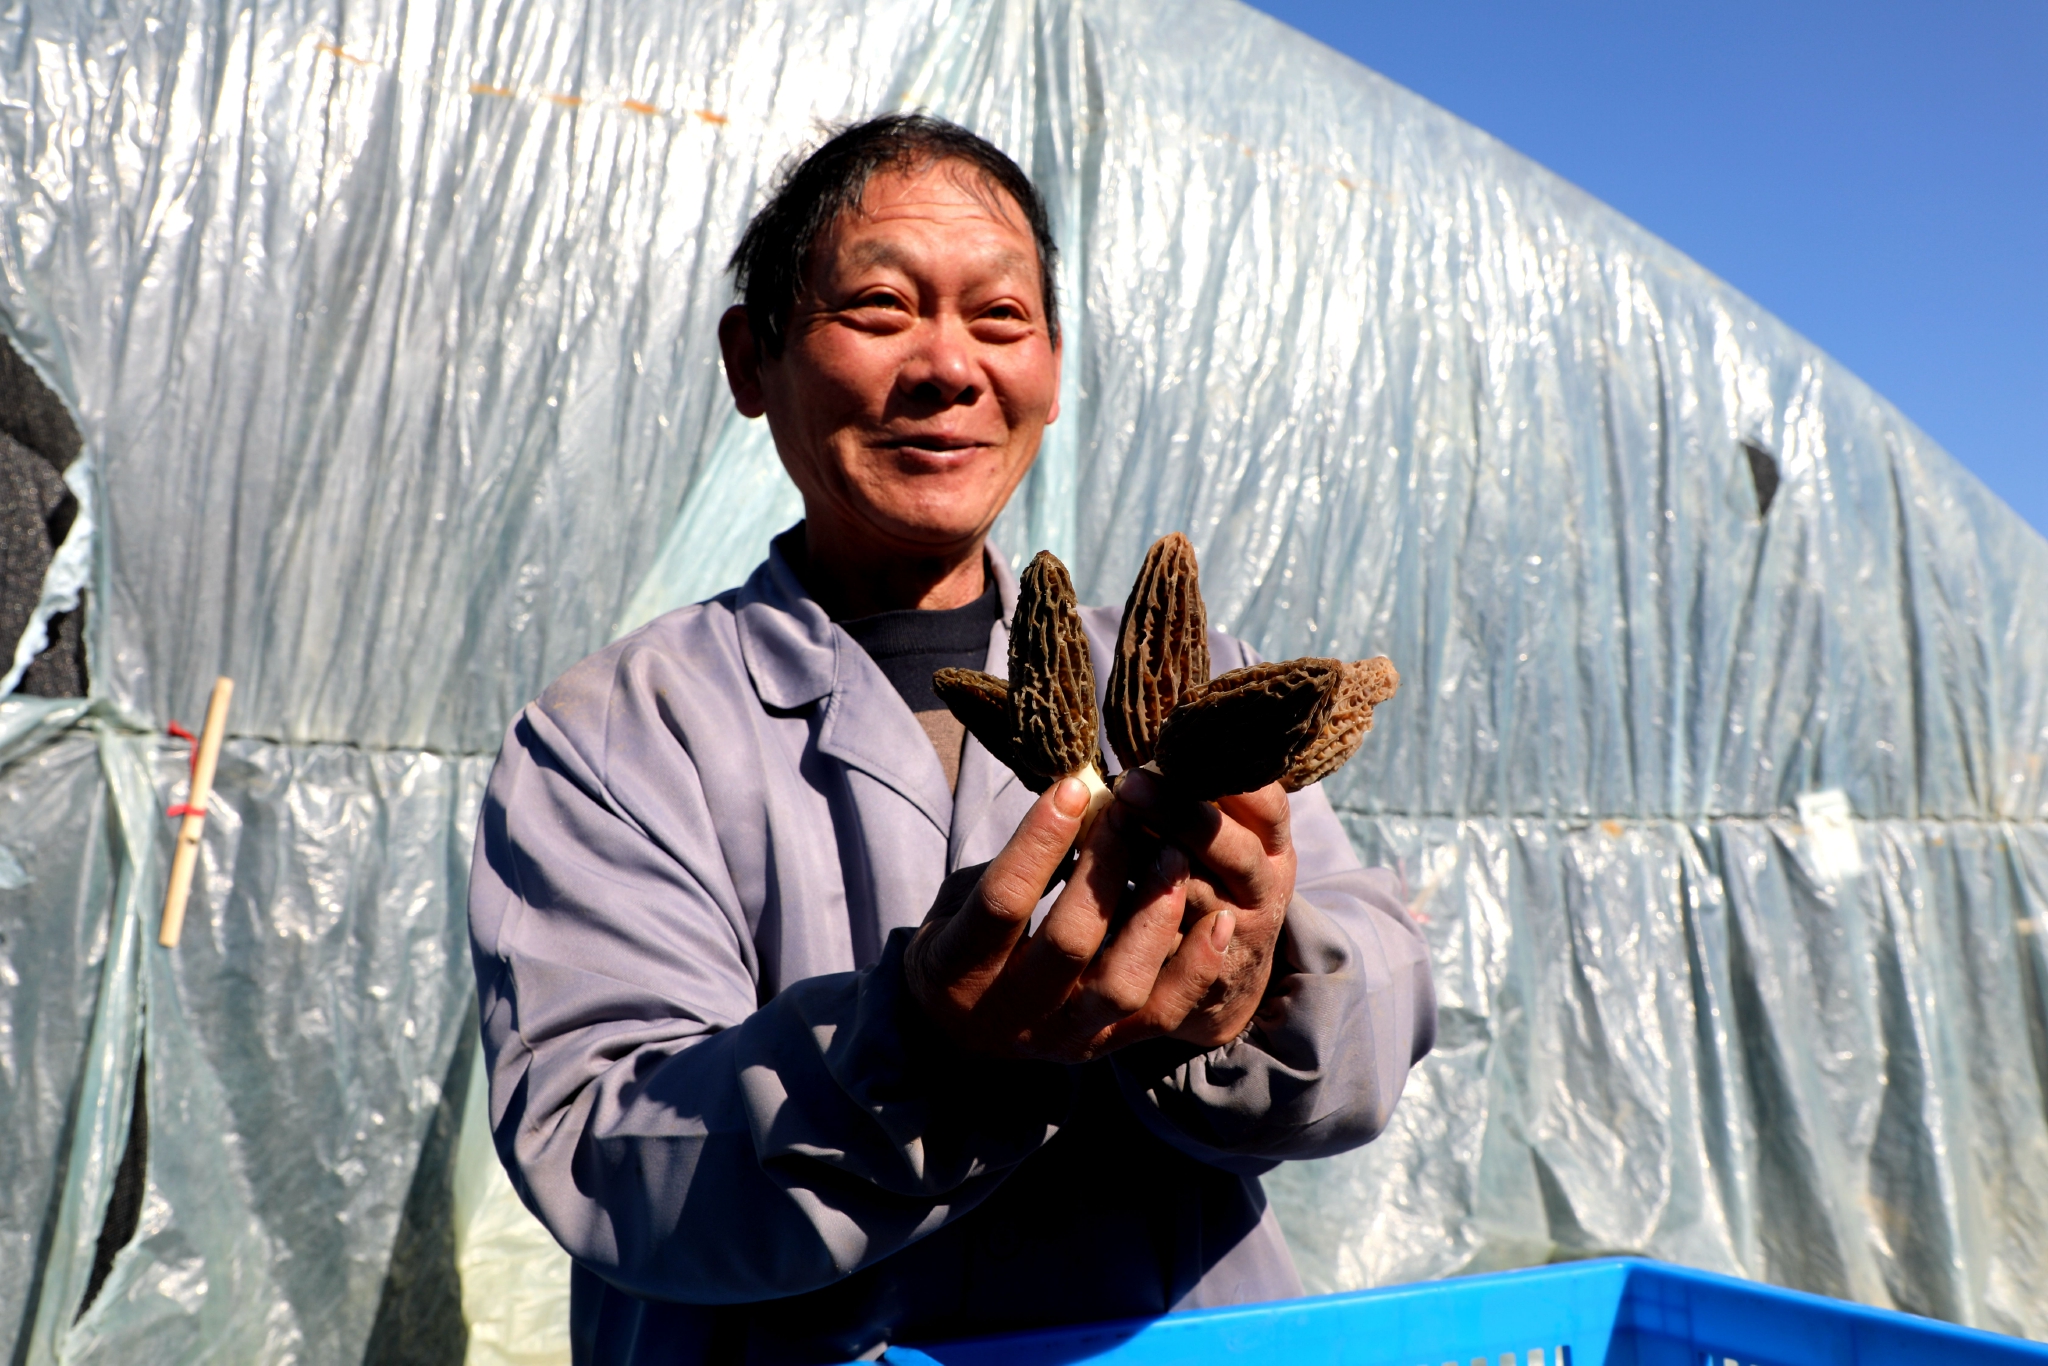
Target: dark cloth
[[1105, 1221], [36, 511], [910, 646], [32, 414]]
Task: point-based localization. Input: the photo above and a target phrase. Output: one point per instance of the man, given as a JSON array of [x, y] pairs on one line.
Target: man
[[785, 1089]]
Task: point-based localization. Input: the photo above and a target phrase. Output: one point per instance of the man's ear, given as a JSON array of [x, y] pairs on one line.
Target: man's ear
[[1058, 360], [742, 361]]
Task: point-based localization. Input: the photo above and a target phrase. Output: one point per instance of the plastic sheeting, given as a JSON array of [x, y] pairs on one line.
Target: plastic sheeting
[[295, 1044], [389, 329], [53, 926]]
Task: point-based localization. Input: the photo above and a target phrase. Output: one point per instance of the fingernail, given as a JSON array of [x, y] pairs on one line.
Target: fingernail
[[1172, 866], [1069, 797], [1222, 930], [1138, 788]]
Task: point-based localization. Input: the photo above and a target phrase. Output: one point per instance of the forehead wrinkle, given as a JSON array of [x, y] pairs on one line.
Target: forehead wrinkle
[[875, 253], [882, 252]]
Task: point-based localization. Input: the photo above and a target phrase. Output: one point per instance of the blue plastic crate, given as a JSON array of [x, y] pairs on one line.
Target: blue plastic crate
[[1619, 1312]]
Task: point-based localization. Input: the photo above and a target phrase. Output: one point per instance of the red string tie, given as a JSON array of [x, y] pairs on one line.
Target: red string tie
[[182, 808]]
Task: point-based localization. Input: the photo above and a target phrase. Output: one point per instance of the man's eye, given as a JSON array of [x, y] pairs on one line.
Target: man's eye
[[878, 301]]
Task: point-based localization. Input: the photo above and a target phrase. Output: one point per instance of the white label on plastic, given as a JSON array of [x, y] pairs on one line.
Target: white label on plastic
[[1830, 833]]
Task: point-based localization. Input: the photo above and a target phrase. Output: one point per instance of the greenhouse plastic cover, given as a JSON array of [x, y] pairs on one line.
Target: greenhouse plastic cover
[[390, 331]]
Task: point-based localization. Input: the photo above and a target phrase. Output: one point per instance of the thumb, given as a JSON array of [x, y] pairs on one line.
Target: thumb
[[980, 936]]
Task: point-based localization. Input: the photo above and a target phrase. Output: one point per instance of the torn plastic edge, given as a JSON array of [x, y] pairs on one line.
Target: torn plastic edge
[[117, 1044], [1764, 475], [125, 1196]]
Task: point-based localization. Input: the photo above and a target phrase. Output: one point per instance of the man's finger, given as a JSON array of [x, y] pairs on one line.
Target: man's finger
[[1121, 980], [1209, 836], [1043, 969], [954, 891], [1183, 983], [978, 938], [1265, 813]]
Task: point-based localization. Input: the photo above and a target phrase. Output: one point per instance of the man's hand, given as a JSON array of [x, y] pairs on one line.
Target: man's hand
[[1058, 994], [1243, 859]]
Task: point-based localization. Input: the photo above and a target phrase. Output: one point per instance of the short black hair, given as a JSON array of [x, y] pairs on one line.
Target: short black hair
[[774, 254]]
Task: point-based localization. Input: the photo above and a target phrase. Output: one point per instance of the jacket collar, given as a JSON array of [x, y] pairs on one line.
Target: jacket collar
[[791, 647], [796, 655]]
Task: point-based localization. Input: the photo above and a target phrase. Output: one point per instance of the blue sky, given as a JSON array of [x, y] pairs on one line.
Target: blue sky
[[1876, 174]]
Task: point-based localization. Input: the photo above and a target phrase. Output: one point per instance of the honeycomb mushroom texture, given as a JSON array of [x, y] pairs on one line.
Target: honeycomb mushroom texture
[[1248, 727], [1052, 682], [1162, 650], [981, 702], [1367, 683]]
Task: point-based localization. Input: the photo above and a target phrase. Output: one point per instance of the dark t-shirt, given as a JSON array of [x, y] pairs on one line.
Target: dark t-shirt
[[911, 645]]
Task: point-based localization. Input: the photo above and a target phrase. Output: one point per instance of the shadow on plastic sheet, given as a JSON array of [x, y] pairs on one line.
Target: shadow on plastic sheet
[[419, 1312]]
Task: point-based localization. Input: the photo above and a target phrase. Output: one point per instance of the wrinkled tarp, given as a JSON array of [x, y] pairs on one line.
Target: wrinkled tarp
[[390, 332]]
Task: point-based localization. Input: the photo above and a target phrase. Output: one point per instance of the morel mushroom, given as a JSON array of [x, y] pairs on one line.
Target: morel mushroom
[[1293, 722], [1162, 650], [981, 702], [1248, 727], [1041, 723], [1367, 683]]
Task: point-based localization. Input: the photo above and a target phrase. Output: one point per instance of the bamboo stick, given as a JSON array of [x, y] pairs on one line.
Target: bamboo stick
[[186, 858]]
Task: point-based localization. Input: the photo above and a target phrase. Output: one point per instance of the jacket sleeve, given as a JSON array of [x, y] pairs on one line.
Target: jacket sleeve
[[678, 1137], [1350, 1008]]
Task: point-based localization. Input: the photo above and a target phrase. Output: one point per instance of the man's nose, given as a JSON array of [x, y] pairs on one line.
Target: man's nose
[[941, 372]]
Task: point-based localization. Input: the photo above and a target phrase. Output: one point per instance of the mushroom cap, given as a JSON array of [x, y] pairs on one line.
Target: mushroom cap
[[1367, 683], [1162, 650], [1247, 727], [981, 702], [1052, 679]]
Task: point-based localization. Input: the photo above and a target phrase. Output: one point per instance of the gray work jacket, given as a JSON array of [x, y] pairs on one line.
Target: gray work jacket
[[700, 855]]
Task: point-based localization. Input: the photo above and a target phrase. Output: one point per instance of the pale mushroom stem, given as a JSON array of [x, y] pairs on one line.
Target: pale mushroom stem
[[1099, 795]]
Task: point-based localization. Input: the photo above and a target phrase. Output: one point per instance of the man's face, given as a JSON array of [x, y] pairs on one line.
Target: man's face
[[917, 376]]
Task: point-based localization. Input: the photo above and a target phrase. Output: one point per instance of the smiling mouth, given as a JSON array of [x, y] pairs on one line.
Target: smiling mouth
[[934, 445]]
